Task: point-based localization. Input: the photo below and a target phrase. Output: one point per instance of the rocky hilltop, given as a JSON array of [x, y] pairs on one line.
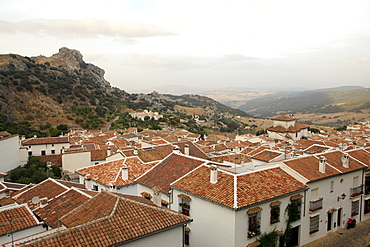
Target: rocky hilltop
[[72, 61]]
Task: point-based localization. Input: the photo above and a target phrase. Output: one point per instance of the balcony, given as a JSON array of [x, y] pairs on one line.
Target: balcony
[[357, 191], [316, 205]]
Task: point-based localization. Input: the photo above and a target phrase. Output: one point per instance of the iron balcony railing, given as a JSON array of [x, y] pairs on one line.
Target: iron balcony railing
[[357, 190]]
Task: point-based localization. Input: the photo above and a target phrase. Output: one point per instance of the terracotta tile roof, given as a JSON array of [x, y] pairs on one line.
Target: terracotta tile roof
[[308, 167], [6, 201], [48, 188], [257, 150], [207, 149], [61, 205], [361, 155], [194, 150], [335, 160], [16, 218], [122, 220], [232, 158], [315, 149], [110, 173], [284, 118], [266, 155], [70, 184], [167, 171], [151, 154], [55, 159], [98, 154], [251, 188], [46, 140], [220, 147]]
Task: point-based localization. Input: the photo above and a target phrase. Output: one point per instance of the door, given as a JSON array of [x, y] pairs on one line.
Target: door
[[330, 215], [294, 241], [339, 217]]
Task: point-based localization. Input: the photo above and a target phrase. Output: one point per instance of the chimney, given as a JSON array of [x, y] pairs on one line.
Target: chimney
[[213, 178], [186, 149], [125, 173], [322, 164], [135, 151], [88, 182], [176, 149], [345, 160], [109, 151], [157, 196]]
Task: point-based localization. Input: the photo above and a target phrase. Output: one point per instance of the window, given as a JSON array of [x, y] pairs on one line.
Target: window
[[356, 181], [185, 207], [29, 153], [146, 195], [367, 206], [314, 223], [331, 186], [95, 187], [52, 151], [367, 185], [355, 208], [254, 224], [275, 212], [315, 194], [43, 152]]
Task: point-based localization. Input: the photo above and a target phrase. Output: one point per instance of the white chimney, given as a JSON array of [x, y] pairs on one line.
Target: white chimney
[[322, 164], [109, 151], [135, 151], [213, 178], [345, 160], [157, 196], [186, 149], [125, 173], [88, 182]]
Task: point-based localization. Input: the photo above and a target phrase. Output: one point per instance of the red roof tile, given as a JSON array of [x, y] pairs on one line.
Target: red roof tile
[[167, 171], [110, 173], [46, 140], [61, 205], [121, 220], [16, 218], [252, 188], [266, 155]]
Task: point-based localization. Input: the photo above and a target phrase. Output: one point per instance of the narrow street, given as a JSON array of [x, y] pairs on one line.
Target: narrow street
[[354, 237]]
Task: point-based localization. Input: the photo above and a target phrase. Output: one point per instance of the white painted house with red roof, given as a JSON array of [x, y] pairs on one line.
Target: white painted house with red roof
[[46, 145], [285, 128], [230, 209], [335, 194]]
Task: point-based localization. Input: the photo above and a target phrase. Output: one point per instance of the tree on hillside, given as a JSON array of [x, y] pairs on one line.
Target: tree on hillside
[[34, 171]]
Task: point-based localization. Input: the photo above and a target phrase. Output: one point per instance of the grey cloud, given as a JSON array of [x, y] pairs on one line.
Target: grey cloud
[[84, 28]]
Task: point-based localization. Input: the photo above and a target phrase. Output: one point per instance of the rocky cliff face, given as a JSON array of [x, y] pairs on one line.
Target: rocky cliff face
[[72, 61]]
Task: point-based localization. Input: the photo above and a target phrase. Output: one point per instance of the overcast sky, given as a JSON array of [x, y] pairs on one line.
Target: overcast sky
[[235, 43]]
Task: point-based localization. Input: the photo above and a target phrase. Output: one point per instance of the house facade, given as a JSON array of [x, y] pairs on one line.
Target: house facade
[[285, 128], [335, 191], [46, 146], [9, 153], [229, 209]]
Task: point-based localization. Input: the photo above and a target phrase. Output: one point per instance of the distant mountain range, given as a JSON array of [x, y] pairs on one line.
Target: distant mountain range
[[329, 100]]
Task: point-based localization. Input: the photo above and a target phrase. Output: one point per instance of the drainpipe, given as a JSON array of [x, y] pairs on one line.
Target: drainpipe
[[363, 186]]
